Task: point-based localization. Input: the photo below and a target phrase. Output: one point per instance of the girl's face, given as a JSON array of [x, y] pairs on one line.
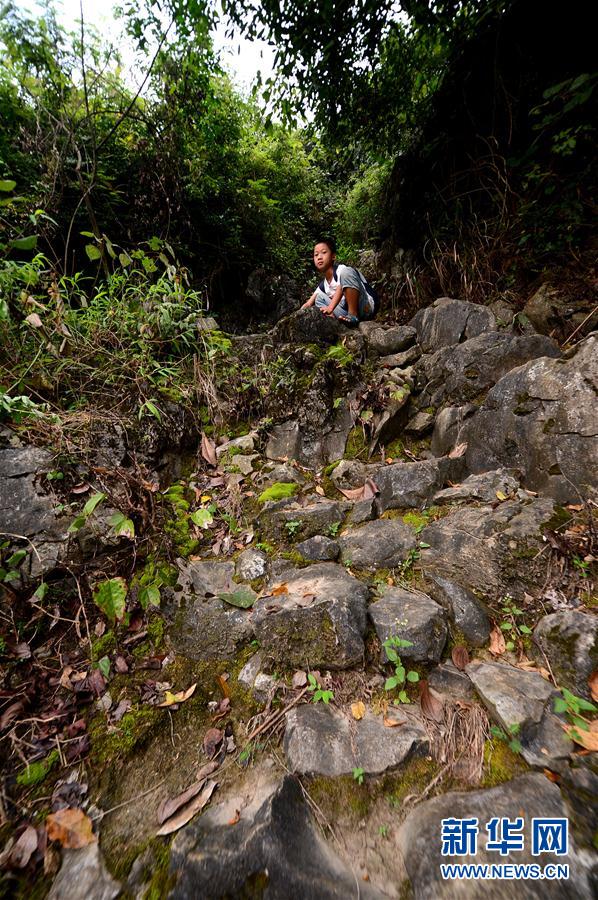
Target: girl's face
[[323, 257]]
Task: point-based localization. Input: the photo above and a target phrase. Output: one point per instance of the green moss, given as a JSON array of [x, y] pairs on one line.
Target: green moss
[[413, 780], [279, 491], [36, 772], [559, 517], [340, 796], [500, 763], [328, 470], [132, 729], [357, 446], [155, 631], [103, 645], [416, 519]]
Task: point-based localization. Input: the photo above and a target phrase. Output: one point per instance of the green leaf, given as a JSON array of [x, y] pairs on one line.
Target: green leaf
[[412, 676], [110, 597], [88, 234], [509, 645], [92, 251], [151, 408], [392, 654], [125, 259], [403, 697], [203, 518], [585, 704], [400, 674], [16, 559], [524, 629], [7, 184], [76, 524], [560, 705], [25, 243], [122, 526], [104, 666], [41, 591], [243, 598], [92, 503], [149, 596], [391, 683], [580, 723], [506, 626]]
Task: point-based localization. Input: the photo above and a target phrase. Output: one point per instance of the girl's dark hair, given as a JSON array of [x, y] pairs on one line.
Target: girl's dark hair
[[330, 242]]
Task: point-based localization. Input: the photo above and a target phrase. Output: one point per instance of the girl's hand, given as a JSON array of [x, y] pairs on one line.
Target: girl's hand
[[328, 310]]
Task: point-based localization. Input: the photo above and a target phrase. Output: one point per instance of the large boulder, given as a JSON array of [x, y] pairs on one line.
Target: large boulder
[[204, 627], [408, 484], [414, 617], [322, 741], [541, 419], [456, 374], [387, 340], [449, 322], [275, 850], [486, 486], [283, 521], [467, 612], [447, 425], [383, 543], [28, 509], [318, 620], [522, 700], [486, 549], [307, 326], [528, 797], [569, 639]]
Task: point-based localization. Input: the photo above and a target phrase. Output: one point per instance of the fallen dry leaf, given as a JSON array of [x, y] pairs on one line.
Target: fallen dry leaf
[[71, 828], [34, 319], [222, 680], [299, 679], [392, 721], [320, 490], [23, 849], [169, 807], [431, 706], [279, 589], [211, 742], [593, 685], [358, 709], [187, 812], [365, 492], [552, 776], [208, 450], [586, 739], [460, 657], [171, 698], [501, 496], [207, 769], [235, 818], [497, 642], [11, 713], [458, 451]]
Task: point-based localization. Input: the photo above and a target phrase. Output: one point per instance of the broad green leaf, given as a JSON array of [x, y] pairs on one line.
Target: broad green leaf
[[88, 234], [16, 559], [92, 251], [585, 704], [560, 705], [76, 524], [149, 596], [412, 676], [122, 526], [25, 243], [7, 184], [153, 409], [524, 629], [125, 259], [391, 683], [203, 518], [41, 591], [92, 503], [243, 598], [104, 666], [400, 674], [110, 596]]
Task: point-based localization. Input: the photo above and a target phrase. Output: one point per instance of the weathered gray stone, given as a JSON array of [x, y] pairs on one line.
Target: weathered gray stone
[[447, 426], [413, 616], [482, 487], [546, 309], [570, 641], [281, 472], [352, 473], [284, 441], [25, 509], [400, 360], [316, 518], [387, 340], [541, 419], [245, 444], [475, 546], [467, 612], [319, 548], [83, 876], [202, 626], [528, 797], [275, 843], [319, 622], [447, 679], [407, 484], [515, 697], [251, 564], [308, 326], [319, 740], [420, 423], [363, 511], [259, 683], [383, 543], [449, 322], [390, 422], [463, 372]]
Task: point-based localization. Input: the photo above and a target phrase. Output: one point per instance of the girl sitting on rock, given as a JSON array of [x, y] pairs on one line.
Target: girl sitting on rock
[[343, 291]]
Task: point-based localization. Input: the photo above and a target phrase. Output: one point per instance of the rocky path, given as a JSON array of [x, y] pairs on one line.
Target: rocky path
[[442, 497]]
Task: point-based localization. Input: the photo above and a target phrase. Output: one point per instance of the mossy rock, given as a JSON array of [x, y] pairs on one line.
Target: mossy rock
[[281, 490]]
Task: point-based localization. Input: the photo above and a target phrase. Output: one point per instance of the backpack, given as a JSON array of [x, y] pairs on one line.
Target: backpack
[[373, 293]]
